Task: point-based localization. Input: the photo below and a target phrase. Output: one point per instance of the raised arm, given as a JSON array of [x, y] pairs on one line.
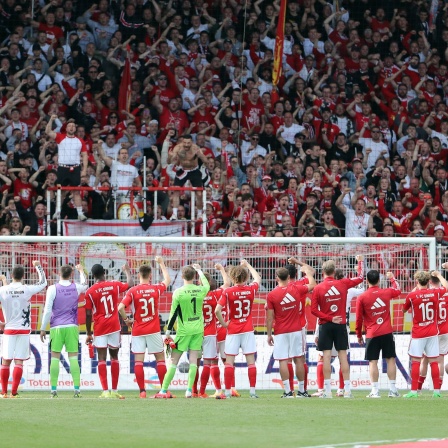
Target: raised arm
[[256, 276], [166, 276]]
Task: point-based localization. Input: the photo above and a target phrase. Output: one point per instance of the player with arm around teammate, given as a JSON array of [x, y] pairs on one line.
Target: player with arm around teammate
[[285, 304], [239, 299], [210, 344], [373, 311], [424, 302], [15, 300], [61, 311], [329, 304], [186, 310], [102, 300], [144, 300]]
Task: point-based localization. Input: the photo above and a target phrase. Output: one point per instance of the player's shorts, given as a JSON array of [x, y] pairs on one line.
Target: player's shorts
[[209, 347], [443, 344], [16, 346], [244, 340], [288, 345], [222, 348], [331, 333], [151, 342], [191, 342], [194, 176], [429, 346], [64, 336], [384, 344], [111, 340], [304, 334]]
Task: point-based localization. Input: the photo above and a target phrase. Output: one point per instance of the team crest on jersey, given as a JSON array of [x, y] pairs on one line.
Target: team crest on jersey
[[334, 308], [379, 321]]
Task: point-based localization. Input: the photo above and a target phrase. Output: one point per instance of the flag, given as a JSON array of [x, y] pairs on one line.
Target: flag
[[278, 49], [124, 95], [433, 12]]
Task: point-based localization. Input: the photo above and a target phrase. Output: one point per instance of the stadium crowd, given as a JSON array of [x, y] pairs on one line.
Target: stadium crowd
[[352, 141]]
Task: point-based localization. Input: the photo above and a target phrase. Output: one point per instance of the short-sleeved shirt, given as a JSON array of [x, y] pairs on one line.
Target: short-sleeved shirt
[[373, 308], [442, 317], [288, 303], [144, 301], [69, 149], [15, 300], [239, 301], [122, 175], [208, 311], [424, 304], [330, 297], [103, 299], [187, 305]]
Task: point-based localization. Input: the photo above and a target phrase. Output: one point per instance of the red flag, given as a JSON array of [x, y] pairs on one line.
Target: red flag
[[280, 38], [124, 96]]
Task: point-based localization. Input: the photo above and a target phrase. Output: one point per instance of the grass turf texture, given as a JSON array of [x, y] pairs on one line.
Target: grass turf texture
[[36, 421]]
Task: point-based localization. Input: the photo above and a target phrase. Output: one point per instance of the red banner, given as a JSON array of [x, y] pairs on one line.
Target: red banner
[[278, 50], [124, 95]]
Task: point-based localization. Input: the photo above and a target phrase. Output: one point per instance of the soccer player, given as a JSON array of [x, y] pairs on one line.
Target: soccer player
[[61, 311], [424, 302], [15, 301], [240, 329], [373, 310], [291, 266], [144, 300], [329, 304], [186, 309], [443, 336], [221, 338], [210, 344], [285, 305], [102, 301]]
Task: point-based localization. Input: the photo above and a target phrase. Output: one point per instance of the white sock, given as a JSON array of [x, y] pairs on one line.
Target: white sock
[[327, 386], [252, 390], [228, 392], [301, 386], [375, 388], [286, 386], [347, 385], [392, 385]]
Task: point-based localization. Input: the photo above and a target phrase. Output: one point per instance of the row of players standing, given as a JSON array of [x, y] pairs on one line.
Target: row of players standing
[[194, 308]]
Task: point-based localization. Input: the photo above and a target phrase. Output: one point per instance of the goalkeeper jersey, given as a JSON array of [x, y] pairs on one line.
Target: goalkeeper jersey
[[187, 308]]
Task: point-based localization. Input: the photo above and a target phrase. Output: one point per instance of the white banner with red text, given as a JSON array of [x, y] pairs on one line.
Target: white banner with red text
[[121, 227]]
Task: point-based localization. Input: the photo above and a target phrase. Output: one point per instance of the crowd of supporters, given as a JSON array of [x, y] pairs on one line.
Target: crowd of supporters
[[352, 141]]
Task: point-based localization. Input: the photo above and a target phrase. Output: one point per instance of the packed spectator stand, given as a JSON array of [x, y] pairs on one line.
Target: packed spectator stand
[[352, 141]]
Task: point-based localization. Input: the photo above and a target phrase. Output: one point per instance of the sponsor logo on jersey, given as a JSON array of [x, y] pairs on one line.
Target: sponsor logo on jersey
[[333, 291], [379, 321], [334, 308], [378, 304], [287, 299]]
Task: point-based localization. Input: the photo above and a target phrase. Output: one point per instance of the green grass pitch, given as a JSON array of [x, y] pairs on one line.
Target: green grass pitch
[[36, 421]]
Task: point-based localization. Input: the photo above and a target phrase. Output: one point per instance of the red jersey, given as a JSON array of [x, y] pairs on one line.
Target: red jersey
[[221, 332], [208, 311], [301, 282], [373, 307], [288, 303], [239, 300], [442, 322], [330, 297], [102, 299], [424, 303], [25, 191], [144, 300]]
